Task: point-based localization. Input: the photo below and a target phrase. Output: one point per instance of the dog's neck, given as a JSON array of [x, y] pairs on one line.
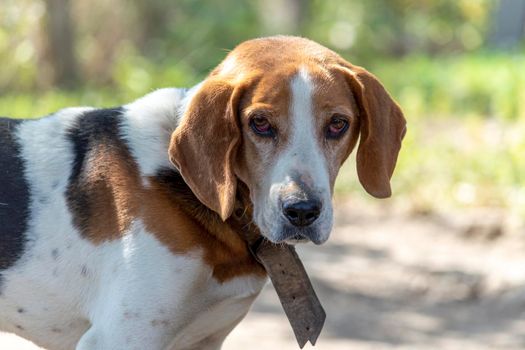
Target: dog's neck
[[231, 234]]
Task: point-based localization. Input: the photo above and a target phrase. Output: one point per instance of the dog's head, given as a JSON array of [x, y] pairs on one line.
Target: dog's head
[[282, 114]]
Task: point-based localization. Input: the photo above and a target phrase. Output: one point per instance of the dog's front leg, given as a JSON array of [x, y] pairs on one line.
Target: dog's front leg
[[143, 338]]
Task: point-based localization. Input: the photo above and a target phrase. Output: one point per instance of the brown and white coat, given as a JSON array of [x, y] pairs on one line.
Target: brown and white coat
[[114, 229]]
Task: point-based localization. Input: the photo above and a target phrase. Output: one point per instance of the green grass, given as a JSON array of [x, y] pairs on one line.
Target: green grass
[[35, 105], [455, 163], [480, 85], [466, 125], [466, 141]]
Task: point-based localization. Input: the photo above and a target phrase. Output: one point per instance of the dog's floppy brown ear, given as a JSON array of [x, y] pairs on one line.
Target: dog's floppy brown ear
[[204, 145], [383, 127]]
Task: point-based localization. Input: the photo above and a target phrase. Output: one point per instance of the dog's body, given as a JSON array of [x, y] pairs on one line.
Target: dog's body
[[57, 278], [105, 244]]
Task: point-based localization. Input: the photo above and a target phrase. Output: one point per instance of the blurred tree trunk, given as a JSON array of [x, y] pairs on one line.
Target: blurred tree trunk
[[284, 16], [60, 37], [155, 18], [509, 23]]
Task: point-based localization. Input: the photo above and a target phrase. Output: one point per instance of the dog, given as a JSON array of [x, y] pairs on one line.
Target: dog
[[115, 223]]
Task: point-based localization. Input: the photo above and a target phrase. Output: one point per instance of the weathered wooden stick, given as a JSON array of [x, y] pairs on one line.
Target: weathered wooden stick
[[295, 291]]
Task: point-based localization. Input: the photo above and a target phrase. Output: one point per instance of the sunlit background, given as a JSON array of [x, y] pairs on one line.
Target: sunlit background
[[456, 219]]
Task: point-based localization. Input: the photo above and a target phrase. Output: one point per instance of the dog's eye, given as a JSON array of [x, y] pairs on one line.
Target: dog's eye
[[261, 126], [337, 127]]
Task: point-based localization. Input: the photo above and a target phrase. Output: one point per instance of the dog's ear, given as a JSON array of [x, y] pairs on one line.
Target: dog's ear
[[382, 128], [204, 145]]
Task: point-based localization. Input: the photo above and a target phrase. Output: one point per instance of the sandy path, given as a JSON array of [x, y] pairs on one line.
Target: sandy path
[[394, 281]]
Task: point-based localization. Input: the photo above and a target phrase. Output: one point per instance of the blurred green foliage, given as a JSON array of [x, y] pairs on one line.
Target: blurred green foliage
[[485, 85], [447, 163], [188, 37], [482, 84], [463, 100]]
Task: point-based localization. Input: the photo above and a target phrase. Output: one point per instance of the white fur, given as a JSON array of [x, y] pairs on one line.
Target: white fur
[[229, 65], [131, 293], [148, 126]]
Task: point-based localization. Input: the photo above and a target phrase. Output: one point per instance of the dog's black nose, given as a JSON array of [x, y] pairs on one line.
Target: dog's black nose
[[302, 213]]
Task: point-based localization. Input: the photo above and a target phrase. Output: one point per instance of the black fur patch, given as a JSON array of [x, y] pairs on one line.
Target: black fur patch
[[92, 130], [14, 196], [175, 185]]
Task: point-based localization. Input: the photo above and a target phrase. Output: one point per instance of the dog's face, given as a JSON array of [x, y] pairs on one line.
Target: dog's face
[[297, 127], [281, 115]]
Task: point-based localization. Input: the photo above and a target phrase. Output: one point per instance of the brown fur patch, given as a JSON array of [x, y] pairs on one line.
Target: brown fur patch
[[178, 220], [333, 96], [110, 181], [106, 194], [171, 204], [102, 170]]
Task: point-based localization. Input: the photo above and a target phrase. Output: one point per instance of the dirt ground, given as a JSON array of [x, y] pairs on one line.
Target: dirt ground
[[394, 280]]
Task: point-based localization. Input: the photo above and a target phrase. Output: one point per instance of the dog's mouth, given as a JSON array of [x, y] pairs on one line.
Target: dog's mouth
[[280, 231], [296, 239], [287, 235]]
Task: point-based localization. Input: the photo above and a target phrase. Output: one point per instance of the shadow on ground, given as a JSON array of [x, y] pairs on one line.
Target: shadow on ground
[[407, 281]]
